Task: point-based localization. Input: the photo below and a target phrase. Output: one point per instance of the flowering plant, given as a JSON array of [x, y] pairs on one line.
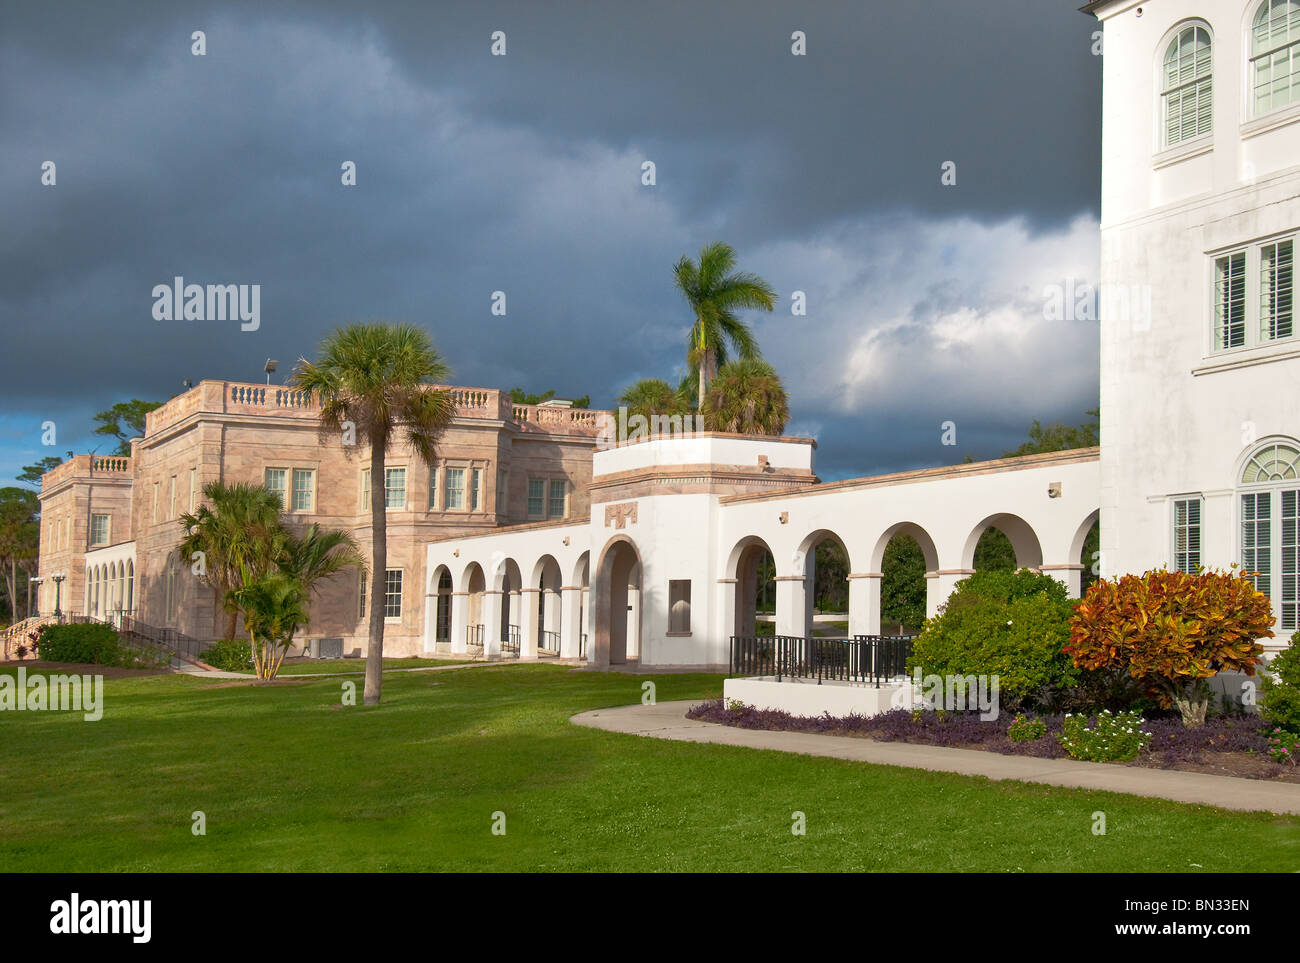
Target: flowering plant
[[1115, 738]]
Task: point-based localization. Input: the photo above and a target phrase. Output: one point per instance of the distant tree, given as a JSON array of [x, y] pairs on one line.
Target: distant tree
[[830, 577], [124, 421], [521, 397], [31, 474], [902, 585], [1059, 437], [747, 398], [994, 551], [19, 540], [651, 396], [715, 291]]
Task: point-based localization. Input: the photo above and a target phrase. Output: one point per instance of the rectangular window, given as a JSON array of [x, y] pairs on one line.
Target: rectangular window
[[362, 579], [1276, 276], [475, 490], [556, 507], [98, 529], [1230, 301], [194, 488], [394, 487], [1257, 538], [393, 593], [679, 606], [304, 489], [433, 489], [155, 503], [275, 483], [1187, 534], [536, 498], [171, 499], [1290, 560], [365, 489], [455, 489]]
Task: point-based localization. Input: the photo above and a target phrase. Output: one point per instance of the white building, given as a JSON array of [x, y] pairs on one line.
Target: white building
[[1199, 462]]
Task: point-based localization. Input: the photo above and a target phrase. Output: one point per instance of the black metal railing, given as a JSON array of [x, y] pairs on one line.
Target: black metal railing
[[510, 644], [177, 646], [582, 645], [550, 641], [474, 635], [869, 659]]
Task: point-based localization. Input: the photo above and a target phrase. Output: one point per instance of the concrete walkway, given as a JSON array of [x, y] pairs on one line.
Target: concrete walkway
[[667, 720]]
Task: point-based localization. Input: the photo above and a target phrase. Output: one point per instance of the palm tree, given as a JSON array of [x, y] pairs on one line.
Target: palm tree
[[747, 398], [274, 607], [317, 554], [236, 539], [378, 378], [715, 292], [652, 396]]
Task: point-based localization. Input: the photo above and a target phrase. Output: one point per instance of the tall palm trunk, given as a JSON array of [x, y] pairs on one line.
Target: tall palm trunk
[[379, 563]]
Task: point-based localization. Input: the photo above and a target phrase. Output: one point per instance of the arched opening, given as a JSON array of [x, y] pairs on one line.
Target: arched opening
[[1014, 546], [579, 642], [511, 586], [1085, 550], [442, 606], [754, 569], [130, 587], [906, 561], [826, 569], [547, 581], [475, 585], [617, 604]]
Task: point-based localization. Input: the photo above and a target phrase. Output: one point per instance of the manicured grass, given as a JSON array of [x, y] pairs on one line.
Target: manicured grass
[[289, 779], [317, 666]]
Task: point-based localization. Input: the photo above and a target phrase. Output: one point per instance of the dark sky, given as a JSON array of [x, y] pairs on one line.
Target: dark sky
[[522, 173]]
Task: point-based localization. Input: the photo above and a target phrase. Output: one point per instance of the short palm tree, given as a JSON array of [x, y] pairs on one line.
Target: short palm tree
[[378, 379], [716, 291], [747, 398], [235, 538], [274, 607]]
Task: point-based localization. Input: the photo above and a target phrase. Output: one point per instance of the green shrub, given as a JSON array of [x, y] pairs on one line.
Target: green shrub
[[1024, 729], [1010, 624], [91, 642], [1284, 746], [229, 655], [1115, 738], [1282, 688]]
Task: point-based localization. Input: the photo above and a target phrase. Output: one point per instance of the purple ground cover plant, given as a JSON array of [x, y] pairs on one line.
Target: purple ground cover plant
[[1171, 742]]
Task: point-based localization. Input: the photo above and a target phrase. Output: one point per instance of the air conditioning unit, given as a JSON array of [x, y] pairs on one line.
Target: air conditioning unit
[[325, 648]]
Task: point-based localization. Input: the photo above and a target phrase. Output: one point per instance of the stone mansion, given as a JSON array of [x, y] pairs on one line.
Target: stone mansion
[[540, 531]]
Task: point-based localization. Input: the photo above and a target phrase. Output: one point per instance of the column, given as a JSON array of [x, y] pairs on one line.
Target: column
[[430, 621], [1070, 575], [570, 624], [791, 613], [528, 623], [940, 586], [864, 603], [459, 620], [491, 624]]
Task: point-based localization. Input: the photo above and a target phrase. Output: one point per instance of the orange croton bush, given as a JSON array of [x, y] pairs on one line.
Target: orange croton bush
[[1172, 631]]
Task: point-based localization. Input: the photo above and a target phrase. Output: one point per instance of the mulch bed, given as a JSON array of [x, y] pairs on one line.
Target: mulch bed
[[1224, 746]]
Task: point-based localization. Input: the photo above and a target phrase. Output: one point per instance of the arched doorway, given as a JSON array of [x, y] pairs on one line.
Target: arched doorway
[[442, 606], [754, 571], [511, 611], [475, 585], [1025, 550], [907, 560], [547, 581], [618, 604], [825, 568]]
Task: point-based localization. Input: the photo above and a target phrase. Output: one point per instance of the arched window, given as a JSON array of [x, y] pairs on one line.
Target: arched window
[[1275, 55], [1270, 527], [1187, 86]]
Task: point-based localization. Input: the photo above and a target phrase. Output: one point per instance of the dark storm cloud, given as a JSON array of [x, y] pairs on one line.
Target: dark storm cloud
[[521, 174]]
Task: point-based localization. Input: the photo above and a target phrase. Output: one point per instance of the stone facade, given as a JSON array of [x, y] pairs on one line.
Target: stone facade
[[232, 432]]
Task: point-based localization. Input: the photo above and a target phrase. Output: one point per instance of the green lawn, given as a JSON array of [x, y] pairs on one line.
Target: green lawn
[[358, 666], [289, 779]]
